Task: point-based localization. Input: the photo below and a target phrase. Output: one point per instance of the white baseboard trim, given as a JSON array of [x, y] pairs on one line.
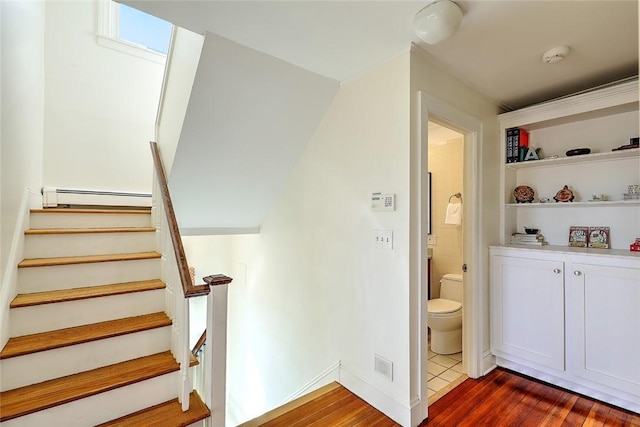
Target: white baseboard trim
[[31, 199], [383, 402], [488, 362], [330, 375], [53, 197]]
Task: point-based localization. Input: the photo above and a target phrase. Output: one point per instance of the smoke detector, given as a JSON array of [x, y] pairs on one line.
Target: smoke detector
[[556, 54]]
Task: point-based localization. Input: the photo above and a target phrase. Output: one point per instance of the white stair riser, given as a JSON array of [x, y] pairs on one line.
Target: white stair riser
[[93, 220], [39, 279], [29, 320], [45, 365], [105, 406], [60, 245]]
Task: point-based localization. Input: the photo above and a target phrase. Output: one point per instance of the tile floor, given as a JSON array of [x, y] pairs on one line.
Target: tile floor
[[443, 374]]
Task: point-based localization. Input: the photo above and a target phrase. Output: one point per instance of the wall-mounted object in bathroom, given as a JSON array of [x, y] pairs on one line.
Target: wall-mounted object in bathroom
[[429, 203]]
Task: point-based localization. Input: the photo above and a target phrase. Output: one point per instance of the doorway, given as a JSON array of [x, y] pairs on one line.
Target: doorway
[[445, 368], [436, 110]]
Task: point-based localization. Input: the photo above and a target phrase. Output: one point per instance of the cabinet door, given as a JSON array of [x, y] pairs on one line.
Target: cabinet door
[[527, 297], [603, 325]]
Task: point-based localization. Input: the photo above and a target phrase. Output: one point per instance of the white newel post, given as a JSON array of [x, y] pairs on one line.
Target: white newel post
[[215, 354]]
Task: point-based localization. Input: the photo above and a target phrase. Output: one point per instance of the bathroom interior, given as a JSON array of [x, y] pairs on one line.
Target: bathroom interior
[[444, 306]]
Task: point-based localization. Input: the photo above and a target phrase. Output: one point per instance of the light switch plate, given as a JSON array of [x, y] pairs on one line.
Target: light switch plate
[[383, 239]]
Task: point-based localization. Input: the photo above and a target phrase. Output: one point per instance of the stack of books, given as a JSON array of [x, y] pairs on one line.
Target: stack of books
[[528, 239], [517, 142]]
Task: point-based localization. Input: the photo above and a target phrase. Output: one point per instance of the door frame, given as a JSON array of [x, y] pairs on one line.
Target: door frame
[[431, 107]]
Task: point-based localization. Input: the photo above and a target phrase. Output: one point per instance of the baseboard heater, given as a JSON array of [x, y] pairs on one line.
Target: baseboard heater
[[53, 197]]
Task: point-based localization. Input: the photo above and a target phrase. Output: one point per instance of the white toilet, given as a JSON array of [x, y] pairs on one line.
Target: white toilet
[[445, 316]]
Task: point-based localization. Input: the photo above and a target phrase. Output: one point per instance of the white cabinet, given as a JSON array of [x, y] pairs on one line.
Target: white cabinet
[[570, 317], [603, 325], [601, 120], [528, 309]]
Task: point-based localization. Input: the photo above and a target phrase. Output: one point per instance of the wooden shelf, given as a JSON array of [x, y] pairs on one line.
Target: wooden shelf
[[586, 158], [617, 253], [575, 204]]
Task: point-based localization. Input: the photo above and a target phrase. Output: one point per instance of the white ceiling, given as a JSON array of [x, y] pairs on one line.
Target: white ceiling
[[497, 49]]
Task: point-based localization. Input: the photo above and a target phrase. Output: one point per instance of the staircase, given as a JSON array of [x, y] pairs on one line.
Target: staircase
[[90, 339]]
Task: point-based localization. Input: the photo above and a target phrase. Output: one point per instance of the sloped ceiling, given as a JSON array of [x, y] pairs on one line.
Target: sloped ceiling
[[249, 118], [263, 87], [497, 49]]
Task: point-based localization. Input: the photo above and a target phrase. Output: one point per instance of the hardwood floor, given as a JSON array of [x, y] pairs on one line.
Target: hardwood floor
[[501, 398], [504, 398]]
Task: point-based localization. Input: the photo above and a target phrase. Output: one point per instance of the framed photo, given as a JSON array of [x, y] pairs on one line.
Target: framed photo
[[578, 237], [599, 237]]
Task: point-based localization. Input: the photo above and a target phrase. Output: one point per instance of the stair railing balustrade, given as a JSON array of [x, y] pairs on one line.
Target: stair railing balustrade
[[175, 273]]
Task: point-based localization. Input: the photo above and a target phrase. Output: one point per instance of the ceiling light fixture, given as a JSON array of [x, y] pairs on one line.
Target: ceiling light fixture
[[437, 21], [556, 54]]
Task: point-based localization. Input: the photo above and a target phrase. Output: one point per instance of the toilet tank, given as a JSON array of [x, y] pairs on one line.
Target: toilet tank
[[451, 287]]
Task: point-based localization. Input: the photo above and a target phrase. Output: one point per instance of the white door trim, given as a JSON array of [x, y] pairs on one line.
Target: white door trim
[[471, 127]]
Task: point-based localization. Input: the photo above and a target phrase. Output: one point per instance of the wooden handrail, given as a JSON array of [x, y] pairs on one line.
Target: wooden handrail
[[189, 289], [200, 343]]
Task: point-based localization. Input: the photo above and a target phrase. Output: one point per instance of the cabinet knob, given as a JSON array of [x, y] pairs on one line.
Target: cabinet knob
[[577, 273], [557, 270]]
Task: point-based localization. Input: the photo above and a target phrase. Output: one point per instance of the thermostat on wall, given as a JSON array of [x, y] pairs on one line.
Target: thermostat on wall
[[383, 202]]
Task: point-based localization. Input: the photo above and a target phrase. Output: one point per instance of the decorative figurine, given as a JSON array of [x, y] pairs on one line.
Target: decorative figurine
[[564, 195], [523, 194]]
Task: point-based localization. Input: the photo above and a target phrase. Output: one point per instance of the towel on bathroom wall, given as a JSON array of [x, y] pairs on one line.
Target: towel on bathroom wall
[[454, 214]]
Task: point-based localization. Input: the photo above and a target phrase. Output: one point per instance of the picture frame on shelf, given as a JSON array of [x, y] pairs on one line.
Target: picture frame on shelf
[[578, 237], [599, 237]]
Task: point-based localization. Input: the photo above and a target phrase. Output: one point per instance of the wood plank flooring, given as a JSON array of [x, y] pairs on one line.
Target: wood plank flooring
[[168, 412], [26, 344], [75, 294], [501, 398], [87, 259], [505, 398]]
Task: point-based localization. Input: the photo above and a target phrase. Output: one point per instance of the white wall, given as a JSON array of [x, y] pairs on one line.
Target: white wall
[[316, 291], [21, 118], [22, 89], [100, 106], [446, 164]]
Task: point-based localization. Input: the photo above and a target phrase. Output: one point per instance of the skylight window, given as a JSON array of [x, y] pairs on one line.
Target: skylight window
[[143, 29], [131, 31]]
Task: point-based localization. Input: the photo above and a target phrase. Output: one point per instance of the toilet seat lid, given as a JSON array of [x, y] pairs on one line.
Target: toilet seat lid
[[441, 306]]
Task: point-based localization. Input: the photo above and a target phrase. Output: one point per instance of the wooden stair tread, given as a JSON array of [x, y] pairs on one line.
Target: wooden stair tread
[[87, 259], [33, 343], [160, 414], [36, 397], [40, 231], [92, 211], [64, 295]]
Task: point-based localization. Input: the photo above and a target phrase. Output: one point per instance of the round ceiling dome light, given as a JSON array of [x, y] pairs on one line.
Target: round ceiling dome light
[[556, 54], [437, 21]]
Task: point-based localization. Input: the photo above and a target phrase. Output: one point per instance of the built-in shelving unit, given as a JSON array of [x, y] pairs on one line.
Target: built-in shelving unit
[[605, 203], [601, 120], [587, 158]]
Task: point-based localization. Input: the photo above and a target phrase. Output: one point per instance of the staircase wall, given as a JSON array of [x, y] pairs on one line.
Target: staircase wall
[[316, 291], [22, 120], [100, 105], [21, 134]]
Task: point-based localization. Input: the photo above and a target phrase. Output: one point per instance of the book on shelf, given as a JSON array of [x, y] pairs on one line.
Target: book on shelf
[[523, 236], [578, 236], [530, 243], [517, 144], [527, 239]]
